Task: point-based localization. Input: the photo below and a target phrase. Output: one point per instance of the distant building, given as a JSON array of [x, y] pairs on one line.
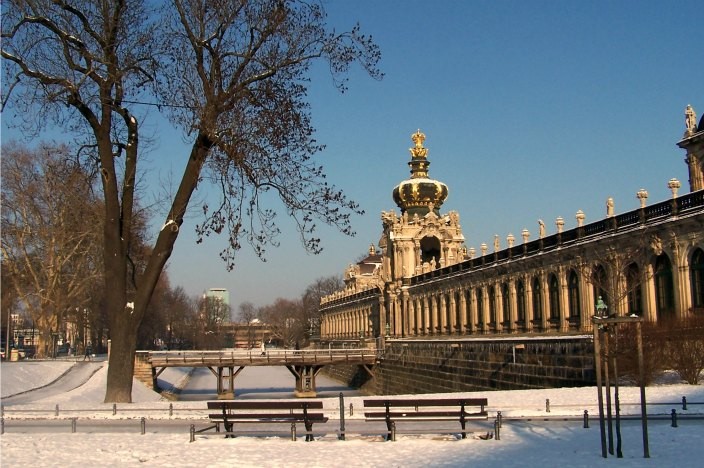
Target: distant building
[[221, 293]]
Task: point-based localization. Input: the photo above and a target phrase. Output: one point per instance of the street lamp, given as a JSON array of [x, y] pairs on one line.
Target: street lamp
[[601, 308]]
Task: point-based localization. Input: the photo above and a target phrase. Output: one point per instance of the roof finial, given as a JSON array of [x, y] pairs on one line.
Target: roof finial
[[418, 151]]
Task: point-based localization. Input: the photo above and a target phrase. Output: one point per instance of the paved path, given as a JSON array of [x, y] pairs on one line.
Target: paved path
[[77, 375]]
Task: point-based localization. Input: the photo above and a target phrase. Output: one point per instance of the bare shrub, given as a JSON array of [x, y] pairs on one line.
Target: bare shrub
[[654, 361], [685, 348]]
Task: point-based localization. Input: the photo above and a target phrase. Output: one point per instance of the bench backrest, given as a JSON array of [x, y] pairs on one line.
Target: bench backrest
[[416, 402], [265, 405]]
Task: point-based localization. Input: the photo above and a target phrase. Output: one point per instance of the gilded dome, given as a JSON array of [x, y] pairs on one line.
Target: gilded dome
[[420, 194]]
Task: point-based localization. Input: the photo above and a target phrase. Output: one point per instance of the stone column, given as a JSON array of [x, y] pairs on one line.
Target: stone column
[[530, 315], [453, 312], [545, 300], [411, 313], [649, 297], [435, 324], [498, 307], [513, 324], [681, 278], [463, 311], [484, 312], [588, 306], [473, 311], [564, 300], [426, 316], [442, 313]]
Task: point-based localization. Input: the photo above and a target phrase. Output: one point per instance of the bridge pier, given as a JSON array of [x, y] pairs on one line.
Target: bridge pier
[[226, 381], [305, 379]]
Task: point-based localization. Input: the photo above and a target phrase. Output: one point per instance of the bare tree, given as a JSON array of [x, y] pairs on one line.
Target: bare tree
[[247, 315], [50, 226], [283, 320], [311, 301], [231, 74]]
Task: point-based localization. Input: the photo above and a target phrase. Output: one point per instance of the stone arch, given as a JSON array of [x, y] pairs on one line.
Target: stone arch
[[573, 295], [537, 300], [506, 303], [493, 319], [600, 283], [554, 298], [664, 288], [521, 302], [634, 290], [696, 273], [430, 250]]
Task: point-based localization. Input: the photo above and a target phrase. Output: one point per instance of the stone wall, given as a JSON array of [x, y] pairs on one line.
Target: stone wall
[[438, 366]]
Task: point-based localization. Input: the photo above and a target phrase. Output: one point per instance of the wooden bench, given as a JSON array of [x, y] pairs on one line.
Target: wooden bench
[[417, 409], [231, 412]]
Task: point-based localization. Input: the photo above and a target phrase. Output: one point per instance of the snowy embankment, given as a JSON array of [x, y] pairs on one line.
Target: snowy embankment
[[522, 443]]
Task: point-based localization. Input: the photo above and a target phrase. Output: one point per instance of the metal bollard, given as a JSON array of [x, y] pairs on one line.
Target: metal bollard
[[143, 423], [2, 411], [293, 432], [547, 405], [171, 409], [586, 419], [342, 418], [684, 403], [56, 410], [2, 425], [73, 425], [193, 433], [114, 409], [499, 418], [497, 430], [393, 431], [674, 418], [351, 409]]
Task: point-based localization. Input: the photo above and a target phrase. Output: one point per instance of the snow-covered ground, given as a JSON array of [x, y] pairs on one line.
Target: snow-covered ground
[[534, 443]]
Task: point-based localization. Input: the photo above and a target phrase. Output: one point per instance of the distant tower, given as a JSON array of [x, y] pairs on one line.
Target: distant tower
[[220, 295], [693, 142], [421, 239]]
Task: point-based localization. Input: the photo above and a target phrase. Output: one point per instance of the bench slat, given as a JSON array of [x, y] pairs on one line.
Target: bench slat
[[424, 414], [273, 405], [401, 402], [267, 416]]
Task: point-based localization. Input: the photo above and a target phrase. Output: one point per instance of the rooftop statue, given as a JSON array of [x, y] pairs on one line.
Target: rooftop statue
[[690, 119]]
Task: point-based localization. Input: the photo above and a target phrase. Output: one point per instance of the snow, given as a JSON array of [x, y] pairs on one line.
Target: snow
[[522, 443]]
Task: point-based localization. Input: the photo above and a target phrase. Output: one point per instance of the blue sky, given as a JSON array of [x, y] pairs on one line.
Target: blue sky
[[532, 109]]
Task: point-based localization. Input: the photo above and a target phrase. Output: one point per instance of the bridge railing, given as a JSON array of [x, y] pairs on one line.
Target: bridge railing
[[174, 358]]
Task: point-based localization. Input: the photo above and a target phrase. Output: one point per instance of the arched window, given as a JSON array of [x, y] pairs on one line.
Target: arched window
[[492, 305], [573, 295], [635, 291], [506, 302], [600, 282], [537, 300], [480, 306], [554, 297], [430, 251], [521, 301], [697, 278], [664, 289]]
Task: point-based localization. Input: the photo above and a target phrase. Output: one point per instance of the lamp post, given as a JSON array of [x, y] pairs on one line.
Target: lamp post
[[601, 307]]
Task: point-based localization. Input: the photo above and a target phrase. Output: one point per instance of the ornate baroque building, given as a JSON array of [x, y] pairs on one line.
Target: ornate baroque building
[[425, 283]]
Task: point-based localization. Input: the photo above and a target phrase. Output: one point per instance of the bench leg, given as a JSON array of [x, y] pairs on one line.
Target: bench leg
[[464, 432], [391, 428], [309, 430]]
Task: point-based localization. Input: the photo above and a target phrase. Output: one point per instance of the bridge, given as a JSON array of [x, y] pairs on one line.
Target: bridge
[[304, 364]]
